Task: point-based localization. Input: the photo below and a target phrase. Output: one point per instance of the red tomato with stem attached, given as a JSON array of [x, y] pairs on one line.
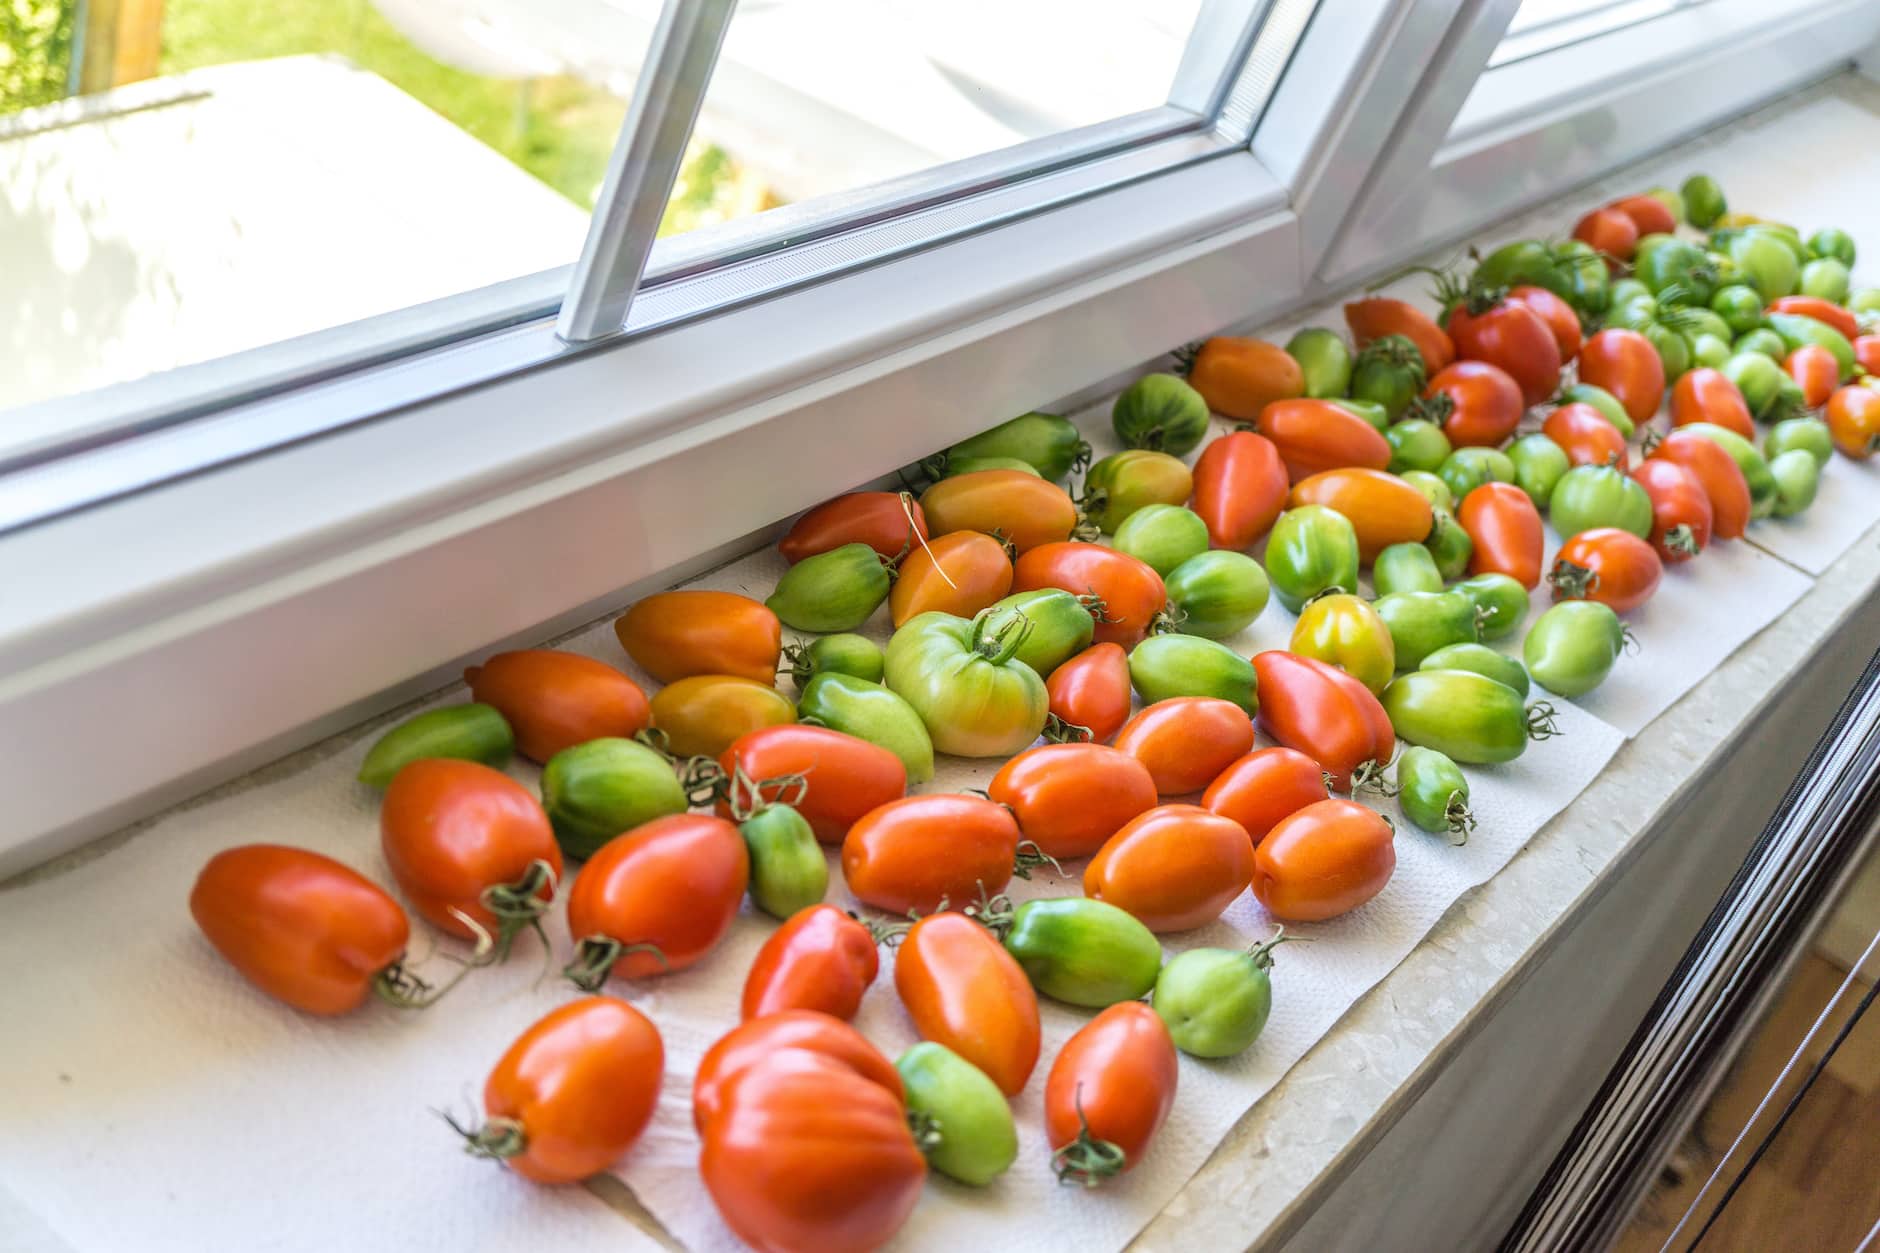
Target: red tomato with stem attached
[[1717, 472], [555, 700], [1681, 513], [1130, 590], [1610, 232], [1378, 316], [1585, 435], [1507, 531], [1070, 798], [963, 990], [1477, 404], [841, 777], [1557, 313], [1110, 1090], [819, 959], [1511, 335], [1625, 363], [1815, 371], [1175, 867], [1707, 395], [1324, 713], [1614, 567], [1240, 488], [1184, 742], [1265, 786], [923, 853], [891, 523], [656, 899], [749, 1043], [1090, 693], [1325, 860]]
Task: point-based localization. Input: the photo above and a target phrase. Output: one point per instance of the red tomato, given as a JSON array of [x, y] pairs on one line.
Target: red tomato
[[1717, 471], [466, 842], [1131, 590], [748, 1044], [1175, 867], [1681, 514], [1625, 364], [1323, 712], [1854, 421], [1070, 798], [1324, 861], [1476, 403], [1557, 313], [1825, 311], [1022, 507], [656, 899], [676, 635], [1614, 567], [1378, 316], [1867, 353], [1816, 371], [1240, 488], [1507, 531], [1110, 1090], [1511, 335], [877, 519], [1610, 232], [842, 777], [922, 853], [1090, 693], [1649, 214], [555, 700], [573, 1093], [1585, 435], [819, 959], [960, 573], [963, 990], [1707, 395], [1316, 435], [1185, 741], [1265, 786]]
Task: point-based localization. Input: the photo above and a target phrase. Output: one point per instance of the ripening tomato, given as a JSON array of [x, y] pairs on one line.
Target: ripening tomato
[[555, 700], [959, 574], [1476, 403], [1707, 395], [921, 853], [1611, 233], [656, 899], [1187, 740], [573, 1093], [1614, 567], [1867, 353], [1506, 528], [470, 847], [1823, 311], [1624, 363], [1175, 867], [1325, 860], [1238, 377], [1815, 371], [1316, 435], [819, 959], [1557, 313], [1265, 786], [1649, 214], [1584, 434], [1240, 487], [1382, 508], [749, 1043], [1854, 421], [1378, 316], [830, 778], [705, 714], [1110, 1090], [303, 928], [891, 523], [1681, 514], [1130, 590], [963, 990], [1719, 475], [1511, 335], [674, 635], [1070, 798], [1324, 713], [1023, 508], [1090, 693]]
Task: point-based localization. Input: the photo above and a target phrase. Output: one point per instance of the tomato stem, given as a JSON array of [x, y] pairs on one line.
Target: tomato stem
[[498, 1138], [1058, 731], [994, 913], [1572, 581], [1030, 856], [1540, 721], [1681, 539], [520, 905], [1460, 818], [1368, 776], [1087, 1160], [1262, 953], [594, 959]]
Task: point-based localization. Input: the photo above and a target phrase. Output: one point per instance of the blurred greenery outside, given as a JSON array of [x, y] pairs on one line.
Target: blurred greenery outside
[[559, 129]]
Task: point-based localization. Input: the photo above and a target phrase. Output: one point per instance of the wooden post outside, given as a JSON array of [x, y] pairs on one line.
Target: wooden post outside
[[119, 42]]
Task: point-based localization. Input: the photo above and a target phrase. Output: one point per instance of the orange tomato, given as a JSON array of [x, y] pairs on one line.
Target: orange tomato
[[1021, 507], [963, 990], [1476, 403], [1611, 233], [1187, 740], [555, 700], [301, 927], [1323, 712], [1240, 487], [1825, 311], [656, 899], [1867, 353], [1175, 867], [960, 574], [1090, 692], [748, 1044], [1625, 364], [1585, 435], [1069, 798], [1239, 377], [1681, 513], [675, 635], [1723, 483], [704, 714], [1378, 316], [1506, 529], [1110, 1090], [1649, 214], [819, 959], [1707, 395], [1131, 591], [1815, 370], [573, 1093], [1614, 567], [922, 853], [1854, 421], [1556, 313], [1265, 786], [1383, 509], [1316, 435], [1323, 861], [842, 777], [891, 523]]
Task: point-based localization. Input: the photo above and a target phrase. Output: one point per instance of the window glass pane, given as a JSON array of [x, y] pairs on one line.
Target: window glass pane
[[1544, 25]]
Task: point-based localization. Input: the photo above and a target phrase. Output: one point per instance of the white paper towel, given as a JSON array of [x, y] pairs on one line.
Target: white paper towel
[[1845, 509]]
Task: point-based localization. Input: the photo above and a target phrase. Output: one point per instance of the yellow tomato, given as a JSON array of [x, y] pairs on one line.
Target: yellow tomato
[[1343, 630], [703, 714]]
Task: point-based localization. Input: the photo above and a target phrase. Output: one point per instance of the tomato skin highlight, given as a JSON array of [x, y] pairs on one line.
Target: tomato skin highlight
[[1132, 592], [1717, 472], [749, 1043], [1479, 404], [1584, 434], [1240, 488], [1815, 371], [1023, 507], [1378, 316], [1707, 395], [555, 700], [1609, 231], [1184, 742], [674, 883], [877, 519], [1382, 508], [1317, 435], [1854, 421], [1175, 867], [819, 959], [1506, 530], [1091, 691], [917, 854], [1265, 786], [1115, 1081], [674, 635], [843, 776], [963, 990], [1511, 335], [303, 928], [976, 564], [1323, 712], [1624, 363], [1681, 513], [1070, 798], [1614, 567], [1325, 860]]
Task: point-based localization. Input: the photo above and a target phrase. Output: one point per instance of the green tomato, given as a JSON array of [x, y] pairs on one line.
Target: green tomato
[[1679, 272], [1406, 568], [974, 696], [1061, 626], [1216, 594], [1635, 314], [1162, 536], [1626, 291], [1083, 952], [1215, 1001], [1797, 331], [957, 466], [1390, 372], [1709, 351], [1450, 545], [1167, 666], [1866, 300], [1809, 434], [1798, 477], [1466, 469], [1767, 261], [1670, 199], [871, 712], [1416, 445], [1525, 263], [1825, 278], [1538, 465], [1433, 793], [1691, 323], [1703, 201], [963, 1123], [1422, 622], [1369, 410], [1673, 351], [855, 655], [465, 732], [1762, 484], [1740, 306], [1763, 342], [1433, 488], [1604, 401], [1124, 482], [1571, 648], [1051, 445], [1760, 380], [1467, 717], [1501, 603], [788, 870], [1590, 496], [1832, 242], [594, 791], [1311, 549], [833, 591], [1162, 413], [1646, 246], [1324, 359], [1587, 277], [1481, 659]]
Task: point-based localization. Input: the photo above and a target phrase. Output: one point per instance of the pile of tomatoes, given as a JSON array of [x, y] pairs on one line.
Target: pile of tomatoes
[[1093, 671]]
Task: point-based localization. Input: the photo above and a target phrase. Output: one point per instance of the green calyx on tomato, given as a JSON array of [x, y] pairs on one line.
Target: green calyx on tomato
[[1466, 716], [1500, 602], [872, 712], [1434, 794], [1571, 648], [1215, 1001], [1677, 271], [1216, 594], [1162, 413], [1166, 666], [854, 655], [960, 1119], [1060, 625], [974, 696], [1310, 550], [597, 790], [833, 591], [470, 732], [1389, 371]]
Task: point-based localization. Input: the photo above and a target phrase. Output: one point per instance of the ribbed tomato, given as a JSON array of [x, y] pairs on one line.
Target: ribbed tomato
[[748, 1044]]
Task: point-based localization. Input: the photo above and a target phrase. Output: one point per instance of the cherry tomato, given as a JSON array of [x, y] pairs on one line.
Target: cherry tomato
[[963, 990], [1557, 313], [1265, 786], [1584, 434], [1325, 860], [922, 853], [1070, 798], [1379, 316], [1315, 435], [1815, 370], [1824, 311], [1707, 395], [1090, 692], [1506, 529], [842, 777], [877, 519], [1382, 508], [468, 842], [1649, 214], [1681, 515], [1323, 712], [819, 959], [1854, 421], [555, 700], [656, 899], [674, 635], [1021, 507], [1175, 867], [1477, 403], [301, 927], [959, 574], [1110, 1090], [1131, 591], [573, 1093], [1187, 740], [1240, 487], [1511, 335], [1614, 567], [1624, 363], [1610, 233], [808, 1030], [1717, 472]]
